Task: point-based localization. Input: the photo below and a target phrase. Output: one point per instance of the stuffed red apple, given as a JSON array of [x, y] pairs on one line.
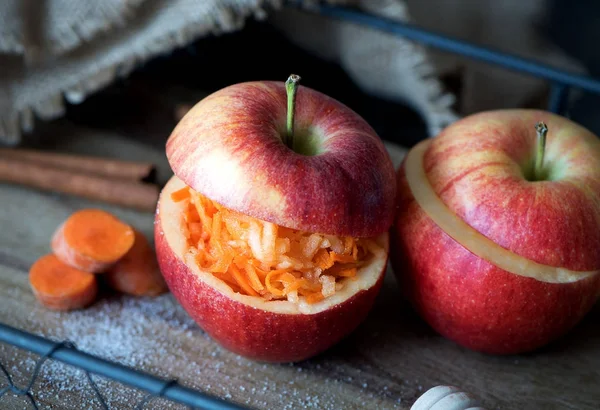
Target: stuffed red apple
[[273, 233], [497, 232]]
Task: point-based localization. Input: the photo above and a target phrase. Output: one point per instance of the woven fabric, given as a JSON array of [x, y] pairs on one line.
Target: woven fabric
[[57, 50], [29, 27], [381, 64]]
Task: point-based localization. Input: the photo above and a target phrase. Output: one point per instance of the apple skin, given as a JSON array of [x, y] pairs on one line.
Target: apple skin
[[229, 148], [336, 179], [476, 167], [254, 333]]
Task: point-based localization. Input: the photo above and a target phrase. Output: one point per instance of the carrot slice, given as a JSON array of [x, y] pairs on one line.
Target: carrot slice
[[58, 286], [336, 257], [347, 272], [180, 195], [242, 281], [92, 240], [270, 287], [229, 279], [296, 284], [137, 273], [242, 262], [323, 259], [315, 297]]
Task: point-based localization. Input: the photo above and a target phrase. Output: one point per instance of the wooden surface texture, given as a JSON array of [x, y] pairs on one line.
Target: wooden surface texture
[[387, 363]]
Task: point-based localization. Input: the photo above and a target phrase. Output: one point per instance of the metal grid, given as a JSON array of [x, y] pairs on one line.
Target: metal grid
[[66, 351], [561, 81]]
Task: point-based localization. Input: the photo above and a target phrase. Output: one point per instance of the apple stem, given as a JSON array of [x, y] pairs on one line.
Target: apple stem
[[291, 85], [542, 131]]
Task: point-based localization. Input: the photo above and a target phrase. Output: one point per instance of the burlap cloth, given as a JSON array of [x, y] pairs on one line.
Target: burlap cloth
[[57, 50]]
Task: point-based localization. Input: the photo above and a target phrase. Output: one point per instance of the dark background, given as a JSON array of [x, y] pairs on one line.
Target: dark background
[[146, 99], [214, 62], [575, 27]]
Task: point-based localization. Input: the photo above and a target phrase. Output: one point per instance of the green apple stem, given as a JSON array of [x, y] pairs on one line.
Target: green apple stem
[[291, 85], [542, 131]]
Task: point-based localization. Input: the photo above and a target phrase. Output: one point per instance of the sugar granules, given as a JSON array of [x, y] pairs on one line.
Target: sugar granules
[[157, 336], [121, 330]]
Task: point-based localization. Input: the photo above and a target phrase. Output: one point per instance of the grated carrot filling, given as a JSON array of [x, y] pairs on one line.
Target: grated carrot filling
[[259, 258]]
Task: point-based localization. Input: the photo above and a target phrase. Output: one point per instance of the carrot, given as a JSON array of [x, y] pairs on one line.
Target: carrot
[[315, 297], [137, 273], [259, 258], [242, 281], [323, 259], [180, 195], [336, 257], [92, 240], [58, 286]]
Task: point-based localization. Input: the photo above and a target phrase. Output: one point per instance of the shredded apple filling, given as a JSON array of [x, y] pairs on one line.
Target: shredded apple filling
[[259, 258]]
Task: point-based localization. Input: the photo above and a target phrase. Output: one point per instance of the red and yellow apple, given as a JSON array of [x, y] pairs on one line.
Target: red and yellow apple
[[335, 178], [496, 240]]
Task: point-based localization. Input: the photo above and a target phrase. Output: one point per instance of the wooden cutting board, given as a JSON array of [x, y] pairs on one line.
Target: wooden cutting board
[[387, 363]]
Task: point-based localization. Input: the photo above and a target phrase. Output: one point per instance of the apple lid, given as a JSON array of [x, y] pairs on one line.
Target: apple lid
[[482, 168], [338, 179]]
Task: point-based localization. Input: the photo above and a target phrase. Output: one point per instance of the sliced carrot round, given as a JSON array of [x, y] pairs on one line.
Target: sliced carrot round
[[137, 273], [59, 286], [92, 240]]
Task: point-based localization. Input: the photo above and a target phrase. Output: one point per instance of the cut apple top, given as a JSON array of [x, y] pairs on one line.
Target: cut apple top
[[480, 180], [338, 179], [257, 258]]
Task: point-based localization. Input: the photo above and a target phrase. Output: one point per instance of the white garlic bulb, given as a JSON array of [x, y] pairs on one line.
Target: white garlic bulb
[[446, 398]]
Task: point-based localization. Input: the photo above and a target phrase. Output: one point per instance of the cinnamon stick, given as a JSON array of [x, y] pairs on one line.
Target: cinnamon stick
[[133, 194], [106, 167]]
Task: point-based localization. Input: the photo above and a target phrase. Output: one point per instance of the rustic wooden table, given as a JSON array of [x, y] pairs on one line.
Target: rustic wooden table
[[386, 364]]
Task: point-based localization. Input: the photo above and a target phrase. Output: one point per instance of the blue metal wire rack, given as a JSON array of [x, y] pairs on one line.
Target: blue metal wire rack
[[561, 81], [66, 352]]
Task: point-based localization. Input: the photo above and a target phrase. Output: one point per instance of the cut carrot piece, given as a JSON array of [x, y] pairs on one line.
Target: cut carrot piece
[[323, 259], [137, 273], [259, 258], [336, 257], [347, 273], [242, 281], [92, 240], [58, 286], [271, 278], [295, 285], [243, 263], [315, 297], [180, 195]]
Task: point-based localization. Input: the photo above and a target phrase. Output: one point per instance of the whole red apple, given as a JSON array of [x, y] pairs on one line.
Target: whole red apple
[[333, 177], [497, 233]]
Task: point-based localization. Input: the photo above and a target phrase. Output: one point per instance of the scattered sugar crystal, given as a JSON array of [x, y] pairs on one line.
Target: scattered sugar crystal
[[123, 330]]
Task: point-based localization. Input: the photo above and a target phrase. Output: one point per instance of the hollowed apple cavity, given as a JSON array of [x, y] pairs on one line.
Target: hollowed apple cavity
[[258, 323], [260, 258]]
